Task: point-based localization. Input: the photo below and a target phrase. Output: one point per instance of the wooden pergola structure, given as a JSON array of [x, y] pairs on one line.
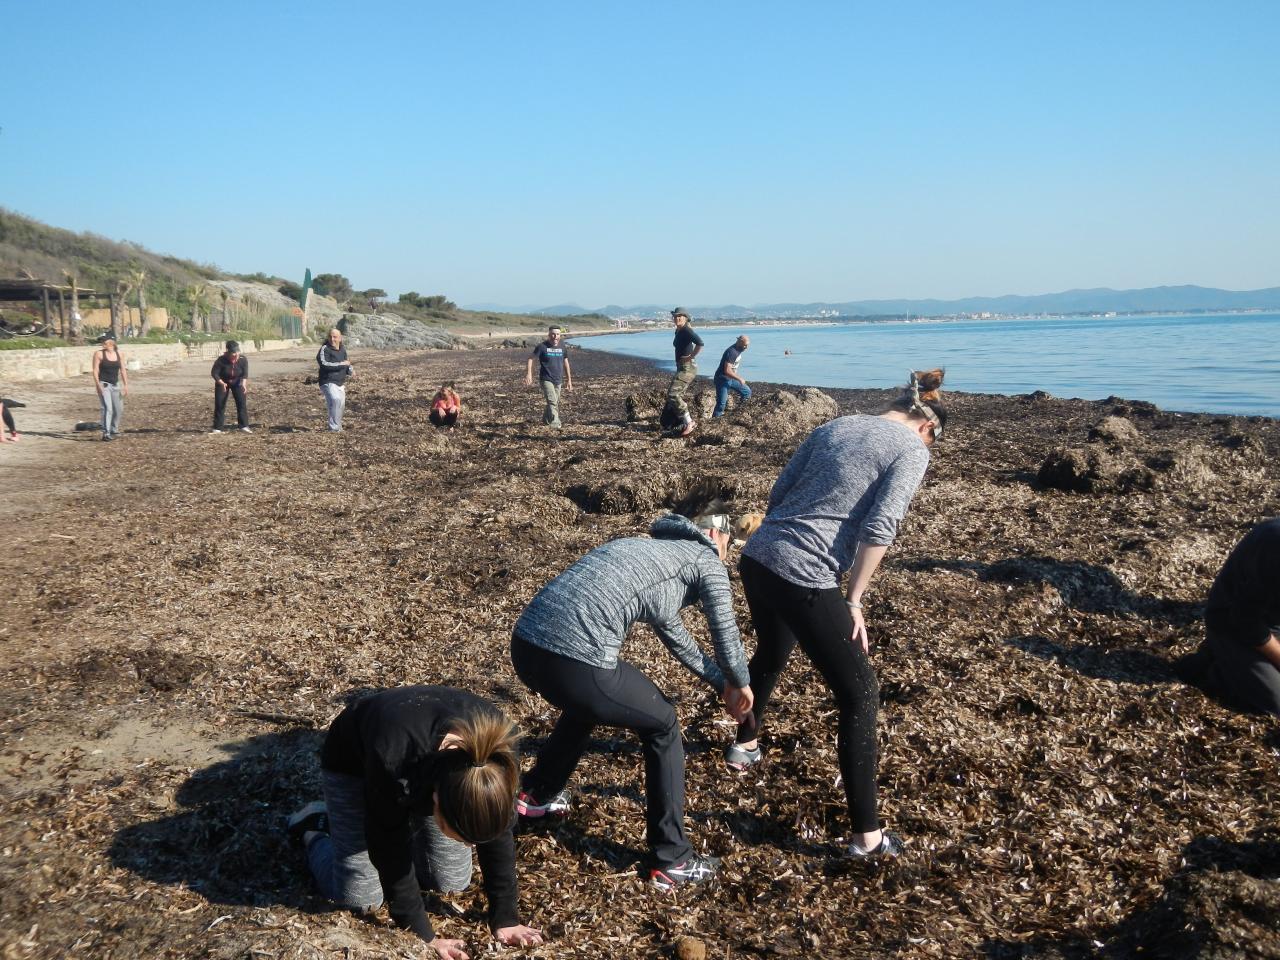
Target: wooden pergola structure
[[29, 290]]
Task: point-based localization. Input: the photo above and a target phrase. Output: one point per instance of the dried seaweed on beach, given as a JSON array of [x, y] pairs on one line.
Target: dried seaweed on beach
[[167, 677]]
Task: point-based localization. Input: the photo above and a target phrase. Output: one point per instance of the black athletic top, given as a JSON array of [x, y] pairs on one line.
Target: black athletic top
[[109, 370], [1244, 601], [686, 339], [334, 367], [230, 373], [391, 741]]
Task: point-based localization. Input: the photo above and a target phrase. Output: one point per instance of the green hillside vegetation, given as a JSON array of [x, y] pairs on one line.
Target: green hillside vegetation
[[29, 247]]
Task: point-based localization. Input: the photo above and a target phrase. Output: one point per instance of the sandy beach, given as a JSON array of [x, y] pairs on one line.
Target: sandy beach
[[183, 614]]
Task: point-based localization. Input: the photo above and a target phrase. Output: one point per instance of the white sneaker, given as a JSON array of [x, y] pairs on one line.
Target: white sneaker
[[245, 430], [215, 430]]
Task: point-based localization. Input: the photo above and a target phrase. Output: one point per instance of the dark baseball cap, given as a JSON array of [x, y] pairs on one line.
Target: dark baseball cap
[[233, 346]]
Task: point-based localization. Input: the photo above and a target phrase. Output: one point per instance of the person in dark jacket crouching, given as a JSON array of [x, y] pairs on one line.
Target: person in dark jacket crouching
[[413, 778], [230, 374], [565, 647], [1239, 660]]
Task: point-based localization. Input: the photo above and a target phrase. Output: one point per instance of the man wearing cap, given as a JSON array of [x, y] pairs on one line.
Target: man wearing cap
[[553, 373], [230, 376], [727, 378], [688, 345]]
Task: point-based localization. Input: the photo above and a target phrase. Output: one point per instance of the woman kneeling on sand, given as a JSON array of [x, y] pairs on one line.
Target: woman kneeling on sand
[[413, 779], [836, 507], [565, 647]]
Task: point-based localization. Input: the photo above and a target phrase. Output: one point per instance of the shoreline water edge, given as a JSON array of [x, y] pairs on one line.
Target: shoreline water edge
[[1219, 363]]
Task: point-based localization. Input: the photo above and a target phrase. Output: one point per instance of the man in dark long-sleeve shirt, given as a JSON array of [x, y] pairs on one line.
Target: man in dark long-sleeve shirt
[[230, 374], [334, 370]]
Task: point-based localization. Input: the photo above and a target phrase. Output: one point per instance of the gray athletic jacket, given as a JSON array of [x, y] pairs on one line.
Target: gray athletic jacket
[[585, 613], [850, 482]]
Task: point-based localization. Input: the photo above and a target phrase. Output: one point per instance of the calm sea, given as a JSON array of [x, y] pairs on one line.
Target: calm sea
[[1226, 363]]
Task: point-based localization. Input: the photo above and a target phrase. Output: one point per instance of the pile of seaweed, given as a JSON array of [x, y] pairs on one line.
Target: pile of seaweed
[[178, 633]]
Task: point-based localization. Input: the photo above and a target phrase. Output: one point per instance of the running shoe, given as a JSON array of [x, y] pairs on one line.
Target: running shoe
[[889, 846], [558, 806], [245, 430], [738, 758], [313, 817], [215, 430], [693, 872]]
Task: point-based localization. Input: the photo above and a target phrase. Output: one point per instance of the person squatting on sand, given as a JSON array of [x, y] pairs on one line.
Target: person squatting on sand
[[111, 380], [553, 373], [1239, 660], [446, 406], [836, 507], [230, 374], [727, 377], [334, 370], [565, 647], [414, 777], [688, 345]]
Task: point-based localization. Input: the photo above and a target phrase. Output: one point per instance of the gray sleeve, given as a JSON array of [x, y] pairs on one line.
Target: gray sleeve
[[717, 605], [897, 487], [682, 646]]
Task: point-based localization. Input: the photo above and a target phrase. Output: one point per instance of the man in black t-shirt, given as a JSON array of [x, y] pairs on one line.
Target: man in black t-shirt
[[1239, 660], [553, 373], [688, 345]]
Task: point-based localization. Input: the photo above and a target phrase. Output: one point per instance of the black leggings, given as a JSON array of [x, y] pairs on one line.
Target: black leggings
[[220, 405], [785, 614], [442, 419], [621, 697], [8, 421]]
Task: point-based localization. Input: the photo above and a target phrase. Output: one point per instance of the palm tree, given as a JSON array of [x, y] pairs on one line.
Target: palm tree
[[139, 278], [226, 321], [77, 325], [197, 293], [123, 289]]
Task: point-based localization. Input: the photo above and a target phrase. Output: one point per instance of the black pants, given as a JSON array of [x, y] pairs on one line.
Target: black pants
[[1233, 672], [621, 697], [785, 614], [8, 421], [220, 405], [442, 419]]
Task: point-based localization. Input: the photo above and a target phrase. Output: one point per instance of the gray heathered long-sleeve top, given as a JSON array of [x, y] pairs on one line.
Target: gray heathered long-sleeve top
[[850, 482], [585, 613]]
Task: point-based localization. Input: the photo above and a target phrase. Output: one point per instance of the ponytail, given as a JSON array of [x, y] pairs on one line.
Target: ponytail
[[476, 788], [920, 398]]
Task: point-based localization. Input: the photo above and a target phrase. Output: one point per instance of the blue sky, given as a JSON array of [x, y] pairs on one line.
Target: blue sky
[[707, 153]]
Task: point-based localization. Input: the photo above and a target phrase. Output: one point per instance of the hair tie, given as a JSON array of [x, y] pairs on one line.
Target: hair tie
[[479, 764]]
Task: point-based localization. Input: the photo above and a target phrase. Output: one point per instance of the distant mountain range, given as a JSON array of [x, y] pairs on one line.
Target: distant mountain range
[[1098, 300]]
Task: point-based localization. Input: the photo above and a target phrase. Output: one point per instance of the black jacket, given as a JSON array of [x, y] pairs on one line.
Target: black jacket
[[230, 373], [391, 740]]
